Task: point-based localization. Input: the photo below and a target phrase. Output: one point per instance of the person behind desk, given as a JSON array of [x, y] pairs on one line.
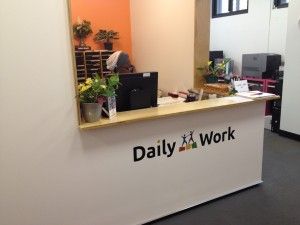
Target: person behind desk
[[119, 62]]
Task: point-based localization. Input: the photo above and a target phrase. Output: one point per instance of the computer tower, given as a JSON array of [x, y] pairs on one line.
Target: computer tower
[[261, 66], [278, 86], [276, 106], [275, 122]]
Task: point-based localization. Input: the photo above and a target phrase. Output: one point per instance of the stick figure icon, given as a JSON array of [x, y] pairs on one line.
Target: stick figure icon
[[184, 140], [191, 137]]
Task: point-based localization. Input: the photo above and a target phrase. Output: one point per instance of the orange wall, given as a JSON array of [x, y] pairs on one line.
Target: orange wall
[[105, 14]]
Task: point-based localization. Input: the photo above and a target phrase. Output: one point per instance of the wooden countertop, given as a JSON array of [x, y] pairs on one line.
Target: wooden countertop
[[171, 110]]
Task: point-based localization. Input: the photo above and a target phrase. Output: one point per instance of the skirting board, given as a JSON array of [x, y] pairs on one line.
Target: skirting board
[[289, 135], [205, 201]]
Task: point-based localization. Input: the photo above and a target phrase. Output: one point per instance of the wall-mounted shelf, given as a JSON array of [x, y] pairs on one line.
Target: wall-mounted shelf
[[88, 63]]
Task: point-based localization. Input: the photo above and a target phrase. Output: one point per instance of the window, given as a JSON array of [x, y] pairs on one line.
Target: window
[[229, 7], [281, 3]]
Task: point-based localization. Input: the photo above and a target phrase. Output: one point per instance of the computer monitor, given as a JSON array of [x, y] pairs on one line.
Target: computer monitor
[[137, 91], [214, 55]]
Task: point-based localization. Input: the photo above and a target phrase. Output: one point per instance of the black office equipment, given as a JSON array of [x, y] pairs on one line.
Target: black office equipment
[[275, 123], [261, 66], [278, 76], [276, 109], [137, 91], [214, 55]]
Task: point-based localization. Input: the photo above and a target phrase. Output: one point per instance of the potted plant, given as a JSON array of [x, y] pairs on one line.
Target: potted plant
[[93, 93], [81, 30], [211, 73], [106, 36]]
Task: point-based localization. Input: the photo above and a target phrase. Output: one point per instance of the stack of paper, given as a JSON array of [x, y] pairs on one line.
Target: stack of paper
[[169, 101], [255, 94]]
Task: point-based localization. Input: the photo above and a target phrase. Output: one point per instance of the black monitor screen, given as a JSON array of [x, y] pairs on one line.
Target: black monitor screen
[[137, 91], [213, 55], [216, 55]]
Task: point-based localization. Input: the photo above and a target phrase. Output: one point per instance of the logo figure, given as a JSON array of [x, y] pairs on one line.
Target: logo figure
[[190, 144], [191, 137], [184, 140]]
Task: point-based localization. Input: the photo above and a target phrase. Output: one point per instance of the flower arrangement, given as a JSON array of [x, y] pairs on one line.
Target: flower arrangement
[[95, 89], [81, 30], [211, 73]]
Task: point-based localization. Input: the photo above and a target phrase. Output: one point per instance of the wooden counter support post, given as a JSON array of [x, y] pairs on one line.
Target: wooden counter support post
[[202, 36]]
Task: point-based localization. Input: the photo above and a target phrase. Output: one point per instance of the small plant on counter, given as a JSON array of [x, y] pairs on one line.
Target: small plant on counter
[[211, 73], [106, 36], [94, 92], [112, 83], [96, 88], [81, 30]]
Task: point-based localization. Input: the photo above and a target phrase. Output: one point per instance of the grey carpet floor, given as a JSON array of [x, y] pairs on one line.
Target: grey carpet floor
[[275, 202]]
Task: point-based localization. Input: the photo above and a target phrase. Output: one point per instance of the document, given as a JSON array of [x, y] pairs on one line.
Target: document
[[241, 85], [255, 94]]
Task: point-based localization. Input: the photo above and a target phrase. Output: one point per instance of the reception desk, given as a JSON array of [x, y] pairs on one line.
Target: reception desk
[[160, 161]]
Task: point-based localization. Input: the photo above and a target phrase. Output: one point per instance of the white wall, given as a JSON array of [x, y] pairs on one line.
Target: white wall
[[163, 40], [262, 29], [50, 172], [278, 31], [290, 103]]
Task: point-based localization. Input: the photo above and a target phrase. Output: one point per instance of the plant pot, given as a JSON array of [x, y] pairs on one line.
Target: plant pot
[[91, 112], [108, 46], [81, 42], [211, 79]]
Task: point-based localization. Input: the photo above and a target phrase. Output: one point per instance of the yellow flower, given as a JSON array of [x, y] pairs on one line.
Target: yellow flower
[[84, 88], [80, 86], [89, 81], [103, 86]]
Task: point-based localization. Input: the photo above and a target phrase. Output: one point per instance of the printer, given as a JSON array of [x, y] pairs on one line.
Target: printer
[[261, 65]]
